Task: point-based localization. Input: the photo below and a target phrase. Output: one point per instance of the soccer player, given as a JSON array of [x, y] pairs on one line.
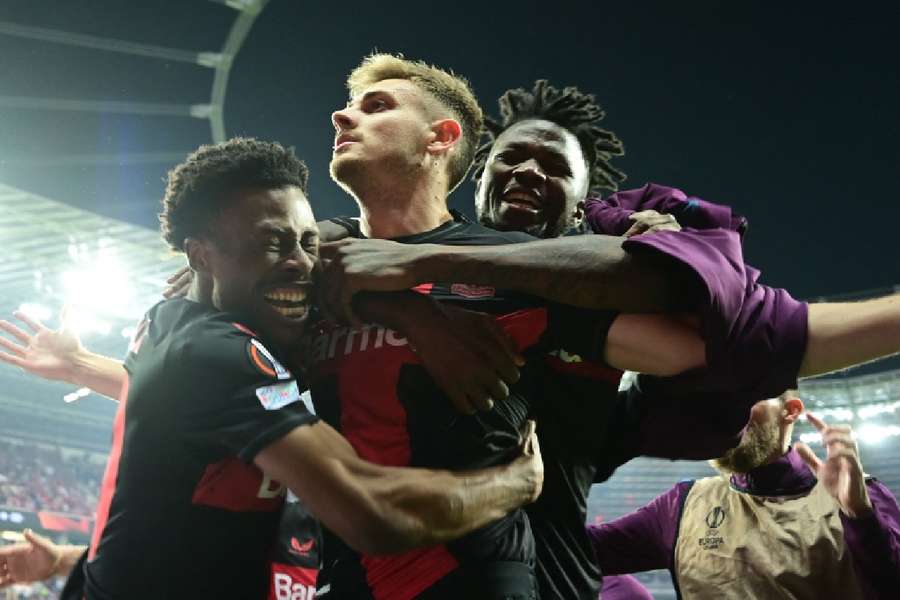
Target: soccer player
[[210, 427], [545, 156]]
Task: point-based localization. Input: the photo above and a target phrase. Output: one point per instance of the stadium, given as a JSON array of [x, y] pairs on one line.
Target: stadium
[[80, 181]]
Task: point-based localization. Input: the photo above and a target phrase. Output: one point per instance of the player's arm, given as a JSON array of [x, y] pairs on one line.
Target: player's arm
[[58, 354], [465, 352], [36, 559], [659, 345], [592, 271], [642, 540], [380, 510], [843, 334]]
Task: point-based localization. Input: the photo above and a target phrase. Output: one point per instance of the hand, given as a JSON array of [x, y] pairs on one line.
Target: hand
[[353, 265], [841, 473], [529, 464], [648, 221], [36, 559], [467, 354], [179, 283], [47, 353]]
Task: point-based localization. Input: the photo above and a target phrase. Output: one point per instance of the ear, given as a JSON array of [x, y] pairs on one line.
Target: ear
[[445, 134], [793, 408], [197, 252]]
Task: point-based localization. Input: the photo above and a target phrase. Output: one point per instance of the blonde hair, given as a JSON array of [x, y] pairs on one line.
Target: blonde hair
[[450, 90]]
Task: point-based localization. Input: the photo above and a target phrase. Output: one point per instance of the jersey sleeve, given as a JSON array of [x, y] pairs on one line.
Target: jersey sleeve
[[245, 398], [611, 215], [577, 333]]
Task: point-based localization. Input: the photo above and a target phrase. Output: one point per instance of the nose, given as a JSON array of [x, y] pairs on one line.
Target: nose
[[342, 120], [529, 173], [300, 261]]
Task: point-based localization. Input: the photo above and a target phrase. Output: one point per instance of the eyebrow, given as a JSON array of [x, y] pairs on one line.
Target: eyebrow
[[368, 95]]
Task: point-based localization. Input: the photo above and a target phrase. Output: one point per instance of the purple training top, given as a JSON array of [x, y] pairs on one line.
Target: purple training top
[[755, 335], [645, 539], [623, 587]]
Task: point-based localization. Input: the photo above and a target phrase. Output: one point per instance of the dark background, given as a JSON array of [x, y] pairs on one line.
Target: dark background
[[787, 113]]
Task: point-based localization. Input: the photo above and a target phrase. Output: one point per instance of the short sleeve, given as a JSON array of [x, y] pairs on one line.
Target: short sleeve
[[579, 332], [245, 399]]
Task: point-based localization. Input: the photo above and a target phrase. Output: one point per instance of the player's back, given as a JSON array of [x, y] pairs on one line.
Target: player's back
[[183, 511]]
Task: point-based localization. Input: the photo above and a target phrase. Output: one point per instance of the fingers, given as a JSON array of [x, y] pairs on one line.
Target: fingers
[[178, 274], [12, 347], [39, 541], [529, 437], [808, 456], [816, 422], [15, 331], [32, 323]]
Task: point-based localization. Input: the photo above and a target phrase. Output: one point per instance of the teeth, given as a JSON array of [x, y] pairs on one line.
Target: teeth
[[521, 198], [286, 295], [291, 312]]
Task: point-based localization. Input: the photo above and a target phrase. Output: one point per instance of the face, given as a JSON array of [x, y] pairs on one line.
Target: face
[[534, 179], [261, 259], [761, 439], [382, 133]]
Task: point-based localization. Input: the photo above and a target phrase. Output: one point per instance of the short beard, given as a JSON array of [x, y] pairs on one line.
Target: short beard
[[757, 445]]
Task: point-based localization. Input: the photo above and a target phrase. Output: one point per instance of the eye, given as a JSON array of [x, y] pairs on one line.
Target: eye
[[310, 244], [376, 105]]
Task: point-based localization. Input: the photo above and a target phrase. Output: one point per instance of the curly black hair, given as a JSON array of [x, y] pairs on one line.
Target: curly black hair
[[196, 188], [569, 108]]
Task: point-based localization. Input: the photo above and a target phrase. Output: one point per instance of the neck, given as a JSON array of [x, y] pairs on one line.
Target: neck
[[413, 207], [200, 290], [784, 444]]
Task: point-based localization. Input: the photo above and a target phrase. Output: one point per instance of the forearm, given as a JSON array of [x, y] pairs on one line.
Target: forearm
[[849, 333], [102, 374], [591, 271], [874, 541], [451, 505], [68, 558]]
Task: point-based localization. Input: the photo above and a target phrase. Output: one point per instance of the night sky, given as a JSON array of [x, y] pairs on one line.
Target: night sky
[[787, 113]]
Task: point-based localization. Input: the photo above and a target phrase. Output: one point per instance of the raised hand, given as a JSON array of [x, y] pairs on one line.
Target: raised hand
[[47, 353], [841, 473], [648, 221]]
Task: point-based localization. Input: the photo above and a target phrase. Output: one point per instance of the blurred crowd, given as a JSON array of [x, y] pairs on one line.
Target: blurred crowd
[[36, 478]]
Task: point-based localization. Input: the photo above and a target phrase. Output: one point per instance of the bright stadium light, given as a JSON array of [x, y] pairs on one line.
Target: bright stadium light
[[36, 311], [871, 410], [128, 332], [811, 438], [84, 323], [873, 434], [103, 285], [841, 414]]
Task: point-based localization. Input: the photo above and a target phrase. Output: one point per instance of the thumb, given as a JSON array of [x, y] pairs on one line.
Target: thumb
[[38, 541], [65, 317], [808, 456]]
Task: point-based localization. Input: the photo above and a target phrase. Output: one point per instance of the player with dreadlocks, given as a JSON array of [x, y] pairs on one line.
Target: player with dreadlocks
[[544, 156]]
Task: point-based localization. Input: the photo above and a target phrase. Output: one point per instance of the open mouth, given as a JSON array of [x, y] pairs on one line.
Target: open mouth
[[522, 200], [343, 141], [289, 302]]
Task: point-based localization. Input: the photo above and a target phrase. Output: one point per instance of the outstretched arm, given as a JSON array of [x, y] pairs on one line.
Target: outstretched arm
[[58, 354], [843, 334], [382, 510], [591, 271]]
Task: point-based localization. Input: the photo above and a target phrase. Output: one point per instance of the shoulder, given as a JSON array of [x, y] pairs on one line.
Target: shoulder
[[219, 343], [475, 234]]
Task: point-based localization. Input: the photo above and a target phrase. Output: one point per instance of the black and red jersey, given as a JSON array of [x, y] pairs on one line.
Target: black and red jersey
[[297, 556], [369, 384], [183, 512]]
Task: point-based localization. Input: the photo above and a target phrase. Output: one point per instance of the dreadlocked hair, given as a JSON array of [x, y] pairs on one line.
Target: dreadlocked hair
[[198, 188], [571, 109]]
